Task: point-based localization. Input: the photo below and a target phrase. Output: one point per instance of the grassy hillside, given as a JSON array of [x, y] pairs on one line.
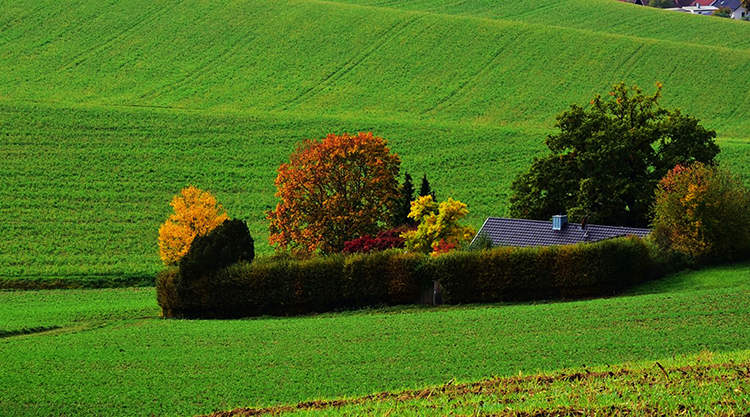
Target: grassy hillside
[[108, 109], [702, 384], [105, 352], [599, 16], [346, 60], [88, 187]]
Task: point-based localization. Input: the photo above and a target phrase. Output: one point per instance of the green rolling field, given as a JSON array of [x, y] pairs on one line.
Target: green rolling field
[[108, 109], [106, 352]]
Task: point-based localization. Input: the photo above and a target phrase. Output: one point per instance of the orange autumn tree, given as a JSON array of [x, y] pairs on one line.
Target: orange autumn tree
[[333, 191], [703, 211], [196, 213]]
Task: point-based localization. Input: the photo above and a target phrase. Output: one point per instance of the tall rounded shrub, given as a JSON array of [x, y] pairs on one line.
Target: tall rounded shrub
[[223, 246]]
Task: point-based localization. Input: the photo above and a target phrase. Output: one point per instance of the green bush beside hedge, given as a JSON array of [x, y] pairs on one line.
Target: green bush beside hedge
[[289, 287]]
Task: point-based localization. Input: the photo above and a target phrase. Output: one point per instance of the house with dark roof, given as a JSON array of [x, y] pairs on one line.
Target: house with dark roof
[[738, 12], [521, 232]]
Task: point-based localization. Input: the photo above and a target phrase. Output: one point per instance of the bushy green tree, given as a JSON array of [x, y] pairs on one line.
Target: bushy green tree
[[724, 12], [607, 159], [703, 211], [227, 244]]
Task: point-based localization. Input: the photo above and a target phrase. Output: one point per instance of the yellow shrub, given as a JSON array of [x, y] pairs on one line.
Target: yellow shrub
[[438, 231], [196, 212]]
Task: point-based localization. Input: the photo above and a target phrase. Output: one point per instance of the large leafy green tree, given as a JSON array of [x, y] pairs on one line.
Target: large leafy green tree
[[607, 159]]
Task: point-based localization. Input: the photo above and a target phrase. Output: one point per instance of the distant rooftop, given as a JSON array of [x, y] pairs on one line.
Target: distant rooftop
[[521, 232], [732, 4]]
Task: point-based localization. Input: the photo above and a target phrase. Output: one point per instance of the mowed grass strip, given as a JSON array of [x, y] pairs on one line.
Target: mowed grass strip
[[706, 384], [61, 309], [103, 362]]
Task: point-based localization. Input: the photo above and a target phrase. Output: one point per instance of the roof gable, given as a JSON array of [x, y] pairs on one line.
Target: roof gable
[[521, 232]]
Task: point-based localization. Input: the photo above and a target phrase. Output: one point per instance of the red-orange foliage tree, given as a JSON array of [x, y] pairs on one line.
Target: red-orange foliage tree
[[333, 191], [703, 211]]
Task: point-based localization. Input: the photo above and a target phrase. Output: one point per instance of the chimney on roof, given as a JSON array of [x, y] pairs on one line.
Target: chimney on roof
[[558, 221]]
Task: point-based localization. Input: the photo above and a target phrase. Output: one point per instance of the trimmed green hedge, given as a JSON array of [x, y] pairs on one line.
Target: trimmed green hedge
[[74, 282], [518, 274], [289, 287]]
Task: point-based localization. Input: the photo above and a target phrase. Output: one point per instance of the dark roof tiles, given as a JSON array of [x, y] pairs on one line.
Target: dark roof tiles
[[732, 4], [521, 232]]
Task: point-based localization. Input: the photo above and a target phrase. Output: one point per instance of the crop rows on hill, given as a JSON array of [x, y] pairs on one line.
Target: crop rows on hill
[[87, 188], [594, 16], [463, 91], [384, 62]]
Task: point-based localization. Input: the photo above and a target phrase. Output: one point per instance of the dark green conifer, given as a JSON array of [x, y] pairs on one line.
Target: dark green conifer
[[403, 205], [425, 189]]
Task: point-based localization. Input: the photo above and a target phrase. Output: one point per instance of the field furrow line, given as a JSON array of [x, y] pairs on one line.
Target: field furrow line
[[109, 42], [202, 70], [630, 61], [14, 18], [353, 63], [464, 86]]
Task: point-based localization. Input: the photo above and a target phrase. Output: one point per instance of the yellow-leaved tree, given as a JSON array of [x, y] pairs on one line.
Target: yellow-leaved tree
[[438, 231], [196, 212], [703, 211]]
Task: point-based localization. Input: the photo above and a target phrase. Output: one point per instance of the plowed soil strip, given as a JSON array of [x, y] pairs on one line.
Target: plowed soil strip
[[501, 387]]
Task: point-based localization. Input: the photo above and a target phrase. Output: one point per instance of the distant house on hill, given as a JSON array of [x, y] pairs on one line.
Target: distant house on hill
[[699, 9], [738, 12], [522, 232], [704, 7]]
